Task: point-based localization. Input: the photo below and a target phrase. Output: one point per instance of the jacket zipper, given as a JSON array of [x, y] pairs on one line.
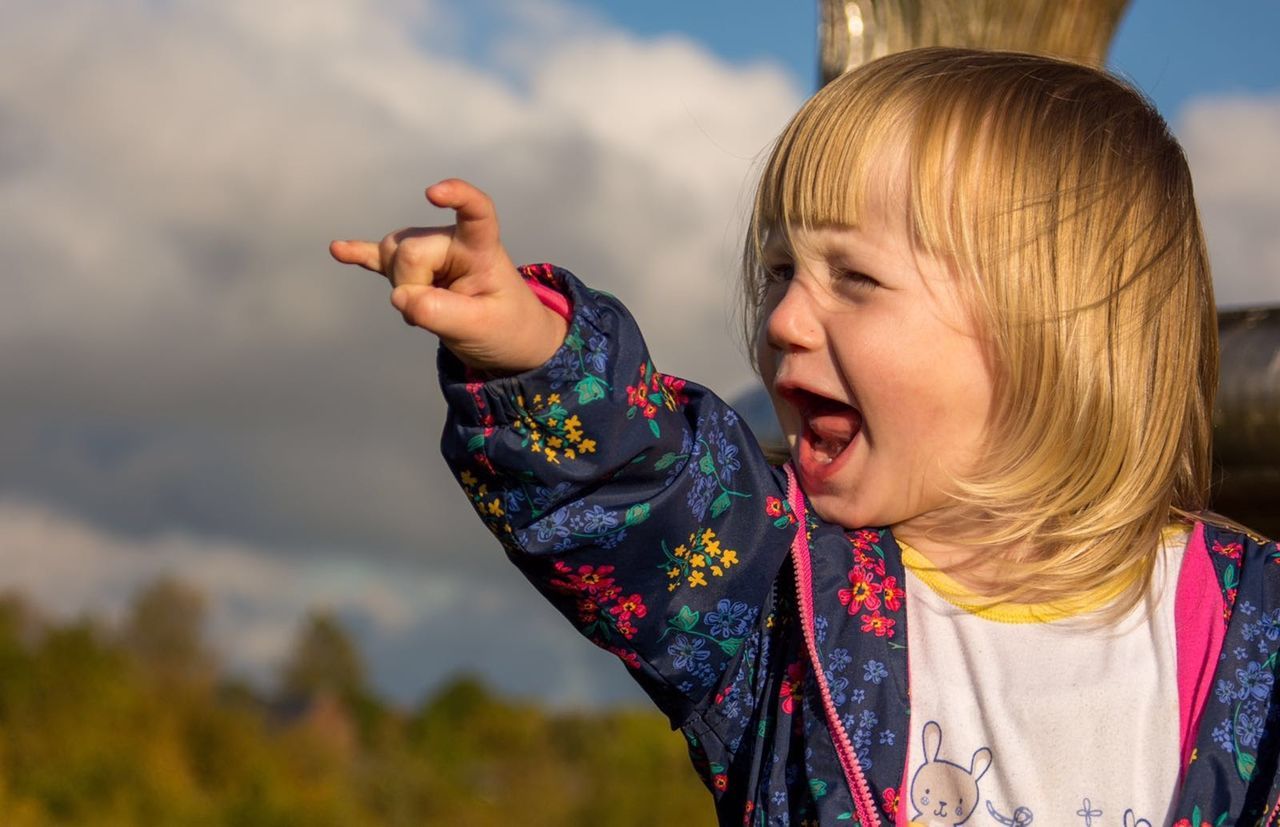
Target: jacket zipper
[[863, 801]]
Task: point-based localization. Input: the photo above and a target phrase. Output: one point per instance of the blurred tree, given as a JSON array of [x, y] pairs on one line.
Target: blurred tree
[[165, 632], [324, 659]]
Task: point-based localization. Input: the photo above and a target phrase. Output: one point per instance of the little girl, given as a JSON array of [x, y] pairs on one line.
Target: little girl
[[981, 591]]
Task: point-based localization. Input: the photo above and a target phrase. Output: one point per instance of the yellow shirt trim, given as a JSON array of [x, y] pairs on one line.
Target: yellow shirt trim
[[952, 591]]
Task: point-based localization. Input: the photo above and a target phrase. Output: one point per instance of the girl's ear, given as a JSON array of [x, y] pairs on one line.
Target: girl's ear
[[932, 738], [980, 764]]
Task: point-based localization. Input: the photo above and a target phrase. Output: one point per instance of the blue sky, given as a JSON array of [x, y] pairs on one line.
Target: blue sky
[[1173, 49], [193, 388]]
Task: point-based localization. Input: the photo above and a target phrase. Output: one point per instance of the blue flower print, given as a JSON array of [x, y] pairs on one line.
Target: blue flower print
[[1269, 625], [730, 619], [1256, 680], [597, 518], [513, 501], [874, 672], [858, 695], [839, 660], [1246, 608], [545, 498], [837, 688], [1227, 692], [552, 525], [597, 357], [820, 624], [1222, 736], [1249, 728], [887, 736], [686, 653]]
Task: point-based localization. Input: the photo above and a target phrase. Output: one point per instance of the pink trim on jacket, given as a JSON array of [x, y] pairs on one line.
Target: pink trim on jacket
[[1200, 632], [552, 298], [864, 803]]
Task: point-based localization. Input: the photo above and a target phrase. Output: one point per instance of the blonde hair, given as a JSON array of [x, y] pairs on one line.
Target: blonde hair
[[1064, 206]]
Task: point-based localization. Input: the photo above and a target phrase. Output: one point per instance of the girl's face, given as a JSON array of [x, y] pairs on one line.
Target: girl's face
[[877, 374]]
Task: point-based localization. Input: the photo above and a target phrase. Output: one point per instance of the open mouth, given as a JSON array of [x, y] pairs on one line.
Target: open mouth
[[830, 426]]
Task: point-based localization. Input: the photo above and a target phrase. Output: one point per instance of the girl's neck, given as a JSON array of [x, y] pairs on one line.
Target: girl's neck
[[973, 566]]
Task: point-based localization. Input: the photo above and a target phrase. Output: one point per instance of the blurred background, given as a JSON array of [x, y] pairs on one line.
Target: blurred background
[[219, 482]]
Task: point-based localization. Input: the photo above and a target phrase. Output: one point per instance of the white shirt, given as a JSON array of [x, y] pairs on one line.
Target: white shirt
[[1059, 721]]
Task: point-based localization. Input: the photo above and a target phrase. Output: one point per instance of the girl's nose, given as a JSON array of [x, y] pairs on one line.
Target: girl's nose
[[791, 323]]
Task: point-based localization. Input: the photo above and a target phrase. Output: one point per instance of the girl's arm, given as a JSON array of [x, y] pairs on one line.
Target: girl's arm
[[639, 504]]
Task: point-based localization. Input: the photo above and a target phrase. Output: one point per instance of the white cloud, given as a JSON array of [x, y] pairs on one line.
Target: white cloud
[[173, 174], [1233, 146]]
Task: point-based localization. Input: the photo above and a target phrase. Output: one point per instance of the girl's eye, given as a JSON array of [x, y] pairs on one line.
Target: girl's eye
[[852, 279]]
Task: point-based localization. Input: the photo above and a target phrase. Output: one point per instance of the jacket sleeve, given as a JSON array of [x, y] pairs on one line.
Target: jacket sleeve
[[639, 504]]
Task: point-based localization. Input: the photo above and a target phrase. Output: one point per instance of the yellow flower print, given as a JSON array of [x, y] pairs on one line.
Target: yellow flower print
[[691, 562], [468, 479], [495, 508], [549, 430]]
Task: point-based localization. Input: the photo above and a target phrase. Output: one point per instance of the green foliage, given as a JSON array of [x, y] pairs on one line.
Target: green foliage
[[133, 728]]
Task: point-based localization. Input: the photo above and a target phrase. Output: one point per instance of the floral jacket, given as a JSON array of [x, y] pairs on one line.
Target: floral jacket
[[642, 507]]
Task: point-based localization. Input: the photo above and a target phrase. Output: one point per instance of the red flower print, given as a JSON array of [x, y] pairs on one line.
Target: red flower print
[[878, 623], [628, 606], [1231, 551], [588, 610], [865, 561], [773, 506], [720, 782], [892, 594], [590, 580], [864, 592], [790, 691], [891, 802], [864, 539], [637, 395], [746, 813]]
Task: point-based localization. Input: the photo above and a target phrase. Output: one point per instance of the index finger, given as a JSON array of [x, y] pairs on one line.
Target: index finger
[[477, 219], [363, 253]]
